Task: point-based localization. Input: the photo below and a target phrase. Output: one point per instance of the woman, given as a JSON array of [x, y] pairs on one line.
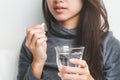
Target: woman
[[73, 23]]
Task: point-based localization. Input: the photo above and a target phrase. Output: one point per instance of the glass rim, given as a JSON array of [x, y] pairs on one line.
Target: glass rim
[[70, 47]]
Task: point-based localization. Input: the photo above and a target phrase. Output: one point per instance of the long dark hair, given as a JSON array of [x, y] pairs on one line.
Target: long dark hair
[[93, 27]]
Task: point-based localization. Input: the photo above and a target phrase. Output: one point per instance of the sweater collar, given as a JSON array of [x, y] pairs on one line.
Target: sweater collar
[[59, 31]]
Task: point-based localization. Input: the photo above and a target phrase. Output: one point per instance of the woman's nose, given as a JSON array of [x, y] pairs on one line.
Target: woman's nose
[[58, 1]]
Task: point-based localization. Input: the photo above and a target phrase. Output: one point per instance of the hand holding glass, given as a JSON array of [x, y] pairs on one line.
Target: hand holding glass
[[65, 53]]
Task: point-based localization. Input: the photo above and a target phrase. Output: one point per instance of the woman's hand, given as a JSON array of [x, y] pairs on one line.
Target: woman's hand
[[36, 43], [75, 73]]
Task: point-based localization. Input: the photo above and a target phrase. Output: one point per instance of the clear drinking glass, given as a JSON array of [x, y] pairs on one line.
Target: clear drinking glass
[[65, 53]]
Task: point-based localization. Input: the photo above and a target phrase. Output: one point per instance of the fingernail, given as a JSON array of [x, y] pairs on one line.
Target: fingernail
[[59, 74], [71, 60]]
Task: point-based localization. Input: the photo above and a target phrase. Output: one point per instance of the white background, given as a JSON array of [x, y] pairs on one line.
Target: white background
[[17, 15]]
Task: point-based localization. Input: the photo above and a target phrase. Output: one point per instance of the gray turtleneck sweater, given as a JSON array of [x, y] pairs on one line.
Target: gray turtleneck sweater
[[58, 36]]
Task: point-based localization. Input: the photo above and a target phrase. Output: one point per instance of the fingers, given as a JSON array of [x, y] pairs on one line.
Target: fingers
[[82, 63], [72, 70], [33, 34], [82, 70], [74, 73], [73, 76], [40, 41]]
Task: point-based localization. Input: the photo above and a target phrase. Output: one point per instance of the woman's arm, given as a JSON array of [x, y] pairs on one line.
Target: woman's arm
[[34, 45], [24, 67], [112, 58]]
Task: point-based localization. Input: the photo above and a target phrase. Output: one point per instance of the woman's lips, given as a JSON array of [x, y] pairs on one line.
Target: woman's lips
[[59, 9]]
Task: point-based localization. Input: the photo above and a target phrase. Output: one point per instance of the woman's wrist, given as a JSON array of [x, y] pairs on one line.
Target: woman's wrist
[[37, 68], [37, 64]]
